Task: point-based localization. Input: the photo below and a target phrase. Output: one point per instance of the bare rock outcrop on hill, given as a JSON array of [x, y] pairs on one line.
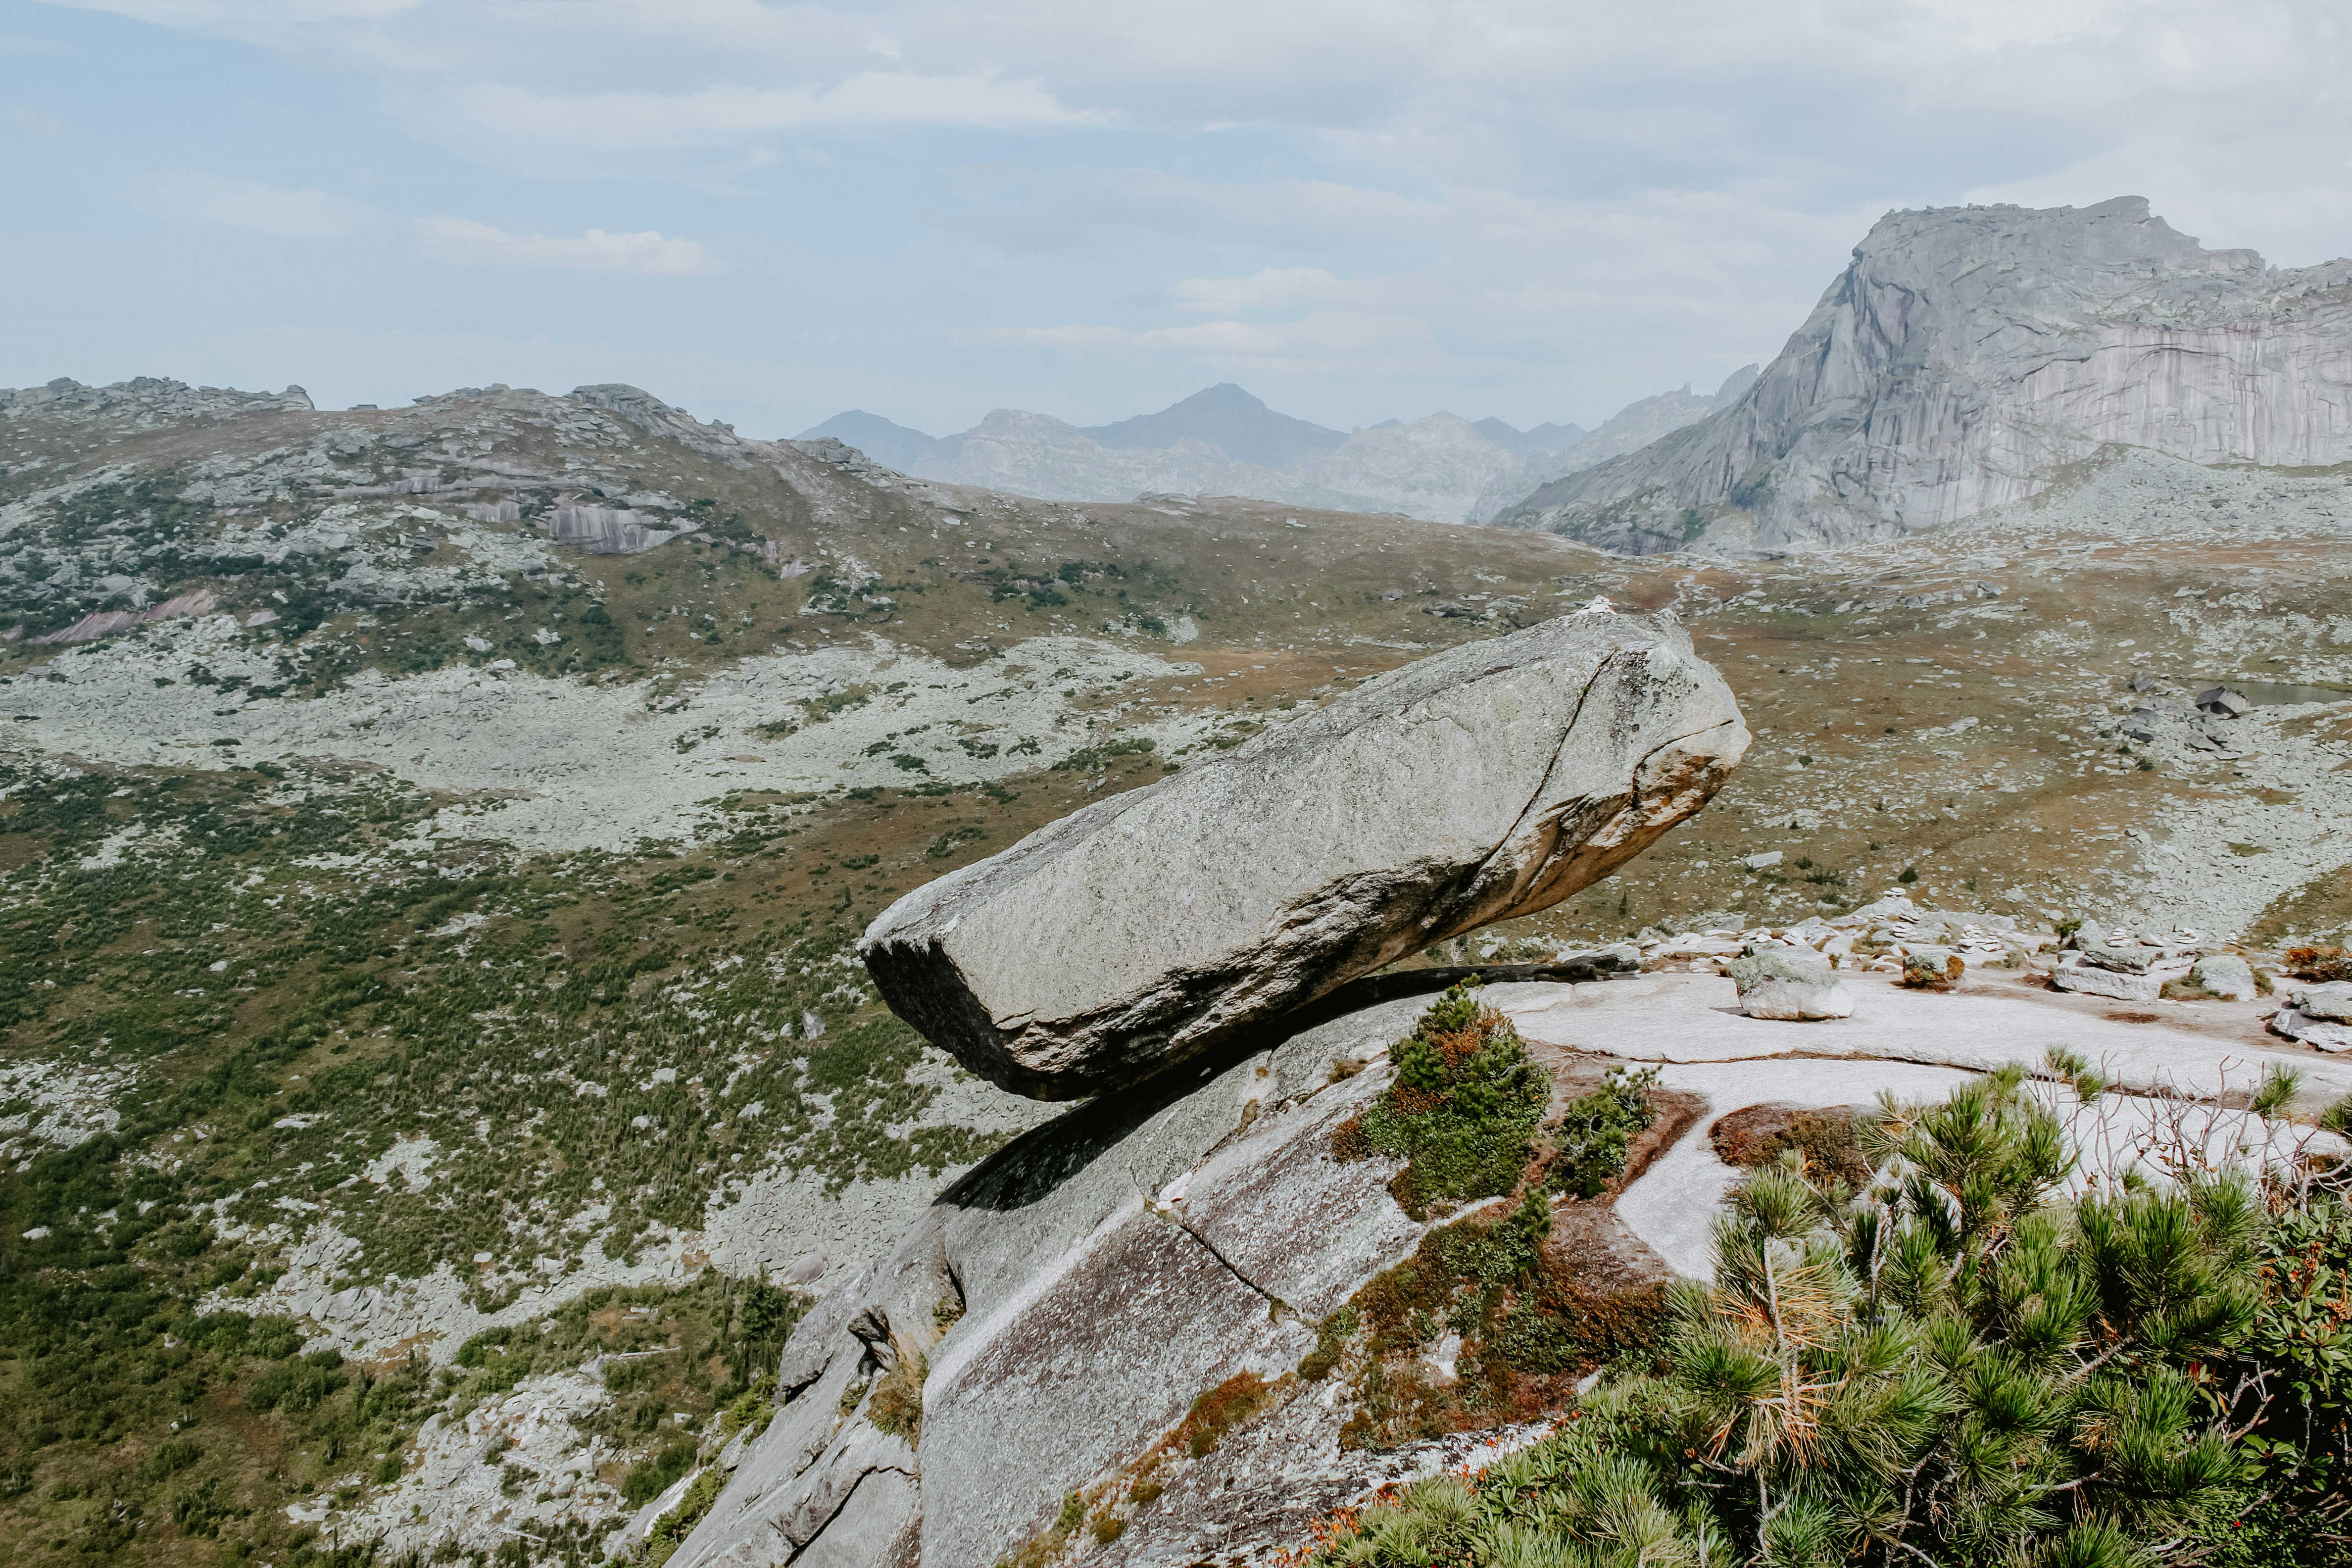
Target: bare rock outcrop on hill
[[145, 401], [651, 415], [1967, 353], [1484, 783]]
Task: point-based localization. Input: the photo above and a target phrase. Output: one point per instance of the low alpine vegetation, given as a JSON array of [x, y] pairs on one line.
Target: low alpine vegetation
[[1954, 1366], [1463, 1109], [1466, 1110]]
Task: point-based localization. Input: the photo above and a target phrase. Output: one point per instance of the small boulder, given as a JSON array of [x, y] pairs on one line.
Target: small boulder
[[2122, 985], [2225, 704], [1776, 983], [2332, 1002], [1489, 781], [1932, 968], [2224, 974], [2314, 1028], [2123, 959]]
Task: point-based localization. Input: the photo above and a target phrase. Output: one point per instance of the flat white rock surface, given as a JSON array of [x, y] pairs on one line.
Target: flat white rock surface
[[1913, 1045]]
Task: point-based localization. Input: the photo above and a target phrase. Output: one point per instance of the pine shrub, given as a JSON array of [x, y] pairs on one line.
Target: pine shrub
[[1952, 1367]]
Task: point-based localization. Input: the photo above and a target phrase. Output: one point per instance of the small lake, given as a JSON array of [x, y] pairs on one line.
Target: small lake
[[2279, 694]]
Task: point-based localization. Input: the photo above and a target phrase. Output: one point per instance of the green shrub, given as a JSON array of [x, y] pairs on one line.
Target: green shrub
[[294, 1386], [1596, 1132], [898, 1405], [169, 1459], [1463, 1110], [202, 1510], [1219, 1410], [670, 1530], [648, 1481]]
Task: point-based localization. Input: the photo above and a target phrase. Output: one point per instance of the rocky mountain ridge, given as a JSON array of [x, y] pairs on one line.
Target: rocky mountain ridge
[[1223, 441], [1964, 358]]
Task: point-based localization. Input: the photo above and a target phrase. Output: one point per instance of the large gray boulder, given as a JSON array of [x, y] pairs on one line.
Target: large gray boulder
[[2092, 980], [1489, 781], [1964, 357]]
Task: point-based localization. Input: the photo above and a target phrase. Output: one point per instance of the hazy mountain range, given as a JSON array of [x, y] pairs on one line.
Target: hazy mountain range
[[1223, 441]]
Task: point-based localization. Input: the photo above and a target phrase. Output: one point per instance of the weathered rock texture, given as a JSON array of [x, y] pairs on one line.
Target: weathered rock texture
[[1110, 1268], [1969, 352], [1774, 985], [1483, 783]]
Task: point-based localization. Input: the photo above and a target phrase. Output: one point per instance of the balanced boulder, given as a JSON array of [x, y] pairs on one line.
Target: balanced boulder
[[1489, 781]]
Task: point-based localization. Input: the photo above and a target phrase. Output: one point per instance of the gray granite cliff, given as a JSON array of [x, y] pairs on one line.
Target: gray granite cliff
[[1964, 357]]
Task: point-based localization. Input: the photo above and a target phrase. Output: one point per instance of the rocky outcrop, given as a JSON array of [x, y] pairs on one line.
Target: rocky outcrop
[[145, 401], [103, 622], [1490, 781], [1964, 357], [1065, 1307], [1028, 1362], [651, 415], [603, 530]]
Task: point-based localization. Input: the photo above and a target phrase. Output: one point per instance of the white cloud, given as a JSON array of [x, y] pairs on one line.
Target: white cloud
[[226, 201], [646, 250], [725, 113]]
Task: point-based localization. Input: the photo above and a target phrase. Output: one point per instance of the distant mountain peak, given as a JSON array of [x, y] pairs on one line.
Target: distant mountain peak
[[892, 446], [1225, 395], [1228, 418]]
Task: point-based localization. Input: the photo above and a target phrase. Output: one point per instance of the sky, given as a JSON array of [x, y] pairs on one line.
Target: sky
[[1359, 209]]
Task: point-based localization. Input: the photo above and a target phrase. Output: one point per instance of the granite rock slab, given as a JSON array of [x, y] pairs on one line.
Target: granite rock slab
[[1486, 782]]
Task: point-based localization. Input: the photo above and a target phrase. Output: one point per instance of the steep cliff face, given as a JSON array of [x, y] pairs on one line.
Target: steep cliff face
[[1968, 352]]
